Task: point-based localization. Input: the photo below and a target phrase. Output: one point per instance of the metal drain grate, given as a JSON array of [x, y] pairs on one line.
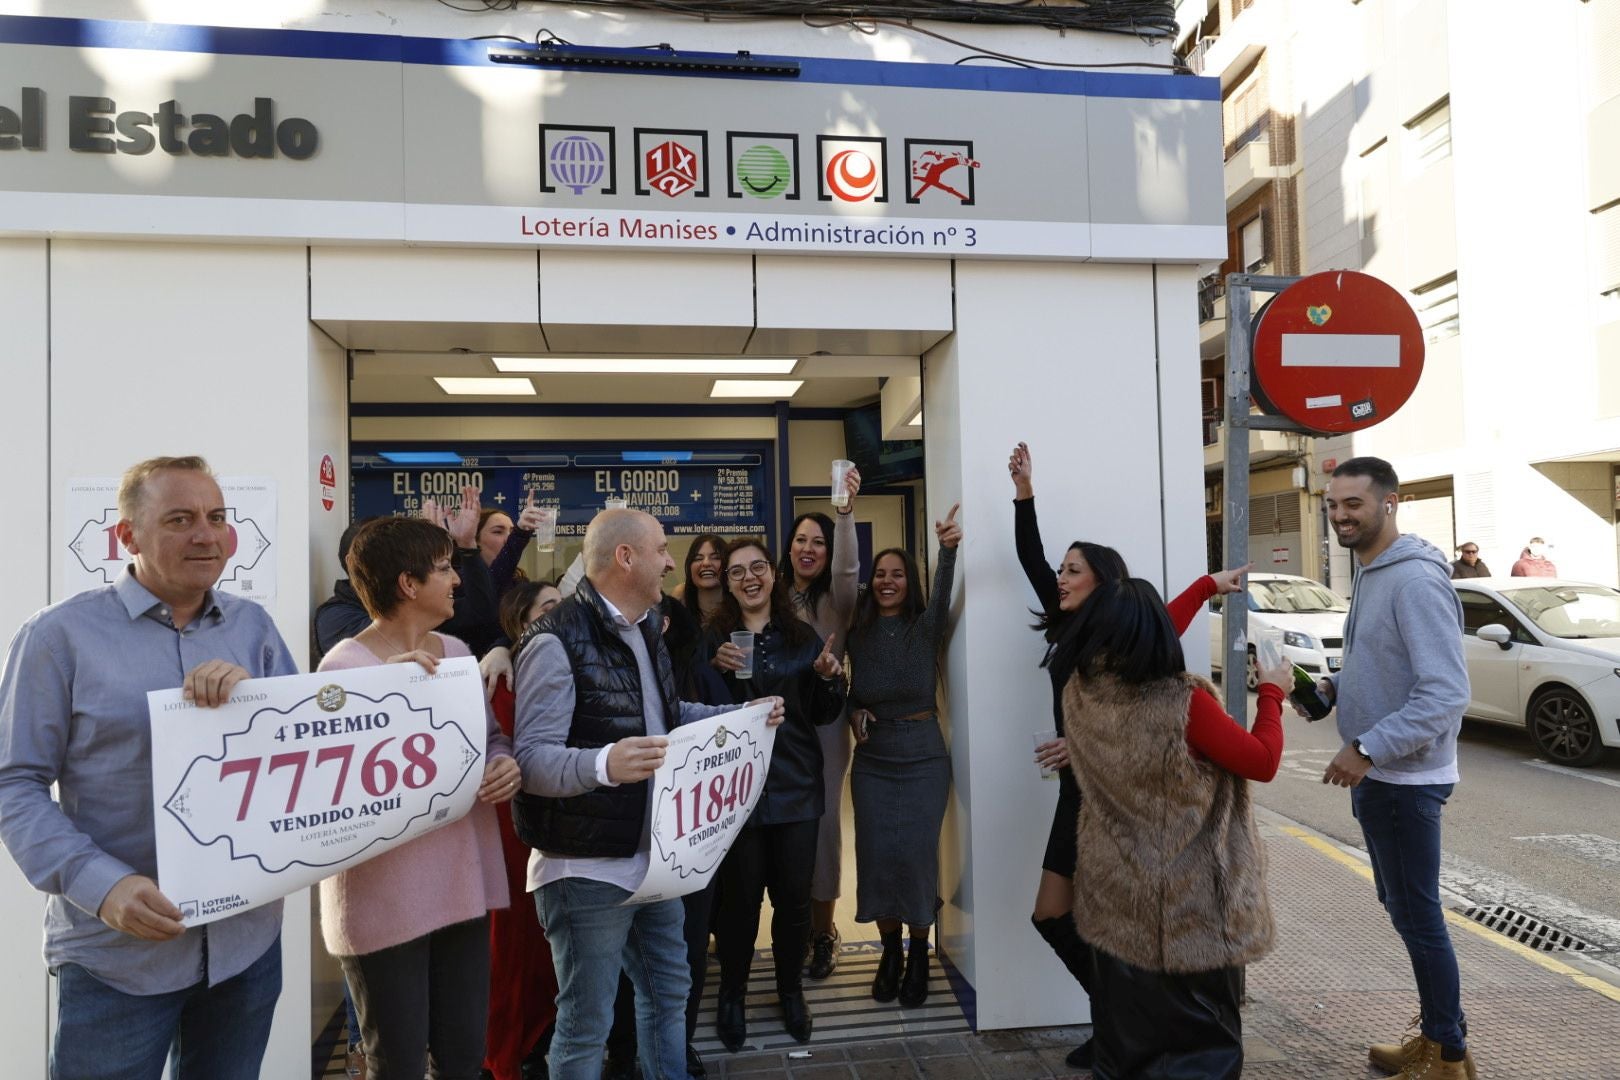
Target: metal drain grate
[[1525, 928]]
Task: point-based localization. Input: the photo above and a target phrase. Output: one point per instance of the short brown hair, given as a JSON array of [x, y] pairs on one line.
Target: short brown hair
[[132, 488], [388, 547], [515, 605]]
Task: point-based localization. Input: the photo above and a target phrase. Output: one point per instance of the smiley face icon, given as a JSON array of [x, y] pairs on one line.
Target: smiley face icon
[[763, 172]]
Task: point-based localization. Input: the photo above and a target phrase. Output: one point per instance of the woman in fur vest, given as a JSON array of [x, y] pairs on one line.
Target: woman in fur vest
[[1169, 888]]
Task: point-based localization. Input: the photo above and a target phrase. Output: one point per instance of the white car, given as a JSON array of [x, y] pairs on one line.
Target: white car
[[1309, 614], [1544, 653]]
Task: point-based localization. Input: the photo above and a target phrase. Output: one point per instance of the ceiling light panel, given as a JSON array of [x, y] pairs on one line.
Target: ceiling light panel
[[485, 387], [755, 388], [584, 365]]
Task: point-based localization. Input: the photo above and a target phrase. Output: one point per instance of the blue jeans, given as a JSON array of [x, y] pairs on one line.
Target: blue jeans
[[204, 1032], [593, 936], [1401, 824]]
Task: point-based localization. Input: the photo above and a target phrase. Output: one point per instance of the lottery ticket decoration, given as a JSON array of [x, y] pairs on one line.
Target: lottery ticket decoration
[[299, 777], [703, 794]]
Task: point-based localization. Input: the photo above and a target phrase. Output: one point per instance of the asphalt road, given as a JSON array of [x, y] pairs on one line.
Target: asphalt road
[[1542, 838]]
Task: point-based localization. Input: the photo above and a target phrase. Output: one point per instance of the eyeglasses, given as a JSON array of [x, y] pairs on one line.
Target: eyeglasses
[[1470, 551], [758, 568]]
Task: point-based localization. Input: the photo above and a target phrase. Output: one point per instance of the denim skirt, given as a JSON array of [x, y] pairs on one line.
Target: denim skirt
[[899, 782]]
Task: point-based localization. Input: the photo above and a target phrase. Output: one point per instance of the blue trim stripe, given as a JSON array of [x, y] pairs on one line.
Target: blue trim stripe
[[455, 52]]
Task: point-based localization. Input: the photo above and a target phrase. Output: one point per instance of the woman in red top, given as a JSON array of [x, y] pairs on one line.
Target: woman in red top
[[522, 983], [1169, 885]]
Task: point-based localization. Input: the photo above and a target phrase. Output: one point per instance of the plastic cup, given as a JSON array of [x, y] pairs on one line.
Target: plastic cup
[[1040, 738], [545, 531], [744, 640], [840, 469], [1269, 648]]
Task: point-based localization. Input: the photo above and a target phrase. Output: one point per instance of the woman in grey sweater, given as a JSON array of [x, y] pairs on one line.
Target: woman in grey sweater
[[901, 776]]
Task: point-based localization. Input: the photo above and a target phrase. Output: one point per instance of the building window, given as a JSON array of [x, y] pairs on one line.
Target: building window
[[1374, 187], [1429, 137], [1252, 244], [1437, 311]]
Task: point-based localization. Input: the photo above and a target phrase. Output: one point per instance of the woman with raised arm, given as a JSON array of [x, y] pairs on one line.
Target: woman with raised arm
[[1060, 594], [823, 562], [776, 849], [901, 776], [1169, 885], [410, 927]]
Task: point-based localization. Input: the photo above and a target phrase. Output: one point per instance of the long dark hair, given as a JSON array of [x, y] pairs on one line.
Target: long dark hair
[[823, 581], [689, 595], [784, 616], [1107, 566], [1124, 630], [866, 608]]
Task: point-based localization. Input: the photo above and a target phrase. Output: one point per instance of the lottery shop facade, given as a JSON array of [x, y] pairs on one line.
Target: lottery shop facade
[[261, 242]]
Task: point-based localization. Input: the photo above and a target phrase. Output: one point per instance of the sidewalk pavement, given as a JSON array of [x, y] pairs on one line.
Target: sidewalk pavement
[[1337, 980]]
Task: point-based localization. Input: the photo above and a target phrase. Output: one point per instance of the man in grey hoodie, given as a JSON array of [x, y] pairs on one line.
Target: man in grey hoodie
[[1400, 699]]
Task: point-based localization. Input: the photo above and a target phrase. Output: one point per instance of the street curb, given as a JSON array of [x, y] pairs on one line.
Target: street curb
[[1356, 860]]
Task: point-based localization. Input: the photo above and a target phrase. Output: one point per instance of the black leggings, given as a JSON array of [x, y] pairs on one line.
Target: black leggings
[[428, 996], [781, 858]]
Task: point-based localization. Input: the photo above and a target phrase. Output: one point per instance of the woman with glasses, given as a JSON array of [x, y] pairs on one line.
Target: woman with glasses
[[901, 777], [776, 850]]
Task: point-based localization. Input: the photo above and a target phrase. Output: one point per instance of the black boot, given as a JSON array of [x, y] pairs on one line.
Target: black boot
[[914, 983], [796, 1015], [694, 1063], [1081, 1056], [886, 984], [1065, 940], [729, 1021]]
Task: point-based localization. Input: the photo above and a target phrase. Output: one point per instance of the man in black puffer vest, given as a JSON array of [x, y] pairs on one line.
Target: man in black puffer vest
[[595, 696]]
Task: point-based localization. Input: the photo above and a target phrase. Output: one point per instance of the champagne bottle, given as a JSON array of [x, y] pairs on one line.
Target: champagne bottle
[[1307, 697]]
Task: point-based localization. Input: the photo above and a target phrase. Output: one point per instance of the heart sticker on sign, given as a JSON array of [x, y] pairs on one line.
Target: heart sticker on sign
[[1319, 314]]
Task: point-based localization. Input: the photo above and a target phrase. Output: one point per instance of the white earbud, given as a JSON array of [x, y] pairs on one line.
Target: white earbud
[[1389, 508]]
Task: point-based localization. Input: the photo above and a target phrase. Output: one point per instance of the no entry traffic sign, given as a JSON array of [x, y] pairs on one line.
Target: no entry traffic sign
[[1335, 352]]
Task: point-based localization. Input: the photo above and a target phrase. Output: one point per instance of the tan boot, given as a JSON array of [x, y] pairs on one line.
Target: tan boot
[[1425, 1063], [1392, 1057]]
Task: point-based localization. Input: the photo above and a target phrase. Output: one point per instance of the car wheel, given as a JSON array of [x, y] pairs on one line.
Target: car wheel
[[1251, 672], [1562, 725]]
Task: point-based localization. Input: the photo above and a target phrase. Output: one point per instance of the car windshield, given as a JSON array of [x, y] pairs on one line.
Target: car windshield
[[1294, 597], [1570, 611]]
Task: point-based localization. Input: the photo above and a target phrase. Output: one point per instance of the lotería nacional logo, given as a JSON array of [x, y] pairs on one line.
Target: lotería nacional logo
[[942, 167], [577, 158], [330, 698], [853, 169]]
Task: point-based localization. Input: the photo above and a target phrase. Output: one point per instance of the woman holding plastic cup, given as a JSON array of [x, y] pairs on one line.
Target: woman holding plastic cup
[[502, 543], [776, 850], [901, 777], [1060, 593], [823, 563]]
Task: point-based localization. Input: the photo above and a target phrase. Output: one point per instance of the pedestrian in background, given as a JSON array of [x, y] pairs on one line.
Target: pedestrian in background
[[1400, 698], [1169, 886], [1533, 561], [901, 775], [1468, 563]]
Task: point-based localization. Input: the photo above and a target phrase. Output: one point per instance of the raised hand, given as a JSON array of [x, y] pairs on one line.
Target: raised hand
[[948, 531], [463, 524], [852, 484], [828, 665], [1230, 581], [1019, 468], [529, 520]]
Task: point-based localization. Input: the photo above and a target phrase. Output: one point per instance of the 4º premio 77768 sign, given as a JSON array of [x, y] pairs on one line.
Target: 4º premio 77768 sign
[[296, 778]]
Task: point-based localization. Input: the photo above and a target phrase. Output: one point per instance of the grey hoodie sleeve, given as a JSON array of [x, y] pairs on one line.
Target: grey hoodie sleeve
[[1426, 611]]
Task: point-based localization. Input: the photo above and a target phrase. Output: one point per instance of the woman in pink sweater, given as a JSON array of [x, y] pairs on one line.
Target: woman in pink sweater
[[411, 926]]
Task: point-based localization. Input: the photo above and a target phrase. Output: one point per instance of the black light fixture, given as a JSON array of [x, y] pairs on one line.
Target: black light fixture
[[661, 58]]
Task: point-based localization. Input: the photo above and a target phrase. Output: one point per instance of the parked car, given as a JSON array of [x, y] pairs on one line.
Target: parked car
[[1309, 614], [1544, 653]]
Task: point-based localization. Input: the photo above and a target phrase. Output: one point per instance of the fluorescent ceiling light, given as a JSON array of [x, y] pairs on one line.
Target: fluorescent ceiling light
[[915, 421], [507, 387], [586, 365], [756, 388]]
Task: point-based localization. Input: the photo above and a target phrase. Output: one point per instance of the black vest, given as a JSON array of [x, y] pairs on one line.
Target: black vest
[[606, 821]]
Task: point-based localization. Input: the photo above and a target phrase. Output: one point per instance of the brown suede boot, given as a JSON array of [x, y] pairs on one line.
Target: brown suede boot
[[1423, 1062], [1392, 1057]]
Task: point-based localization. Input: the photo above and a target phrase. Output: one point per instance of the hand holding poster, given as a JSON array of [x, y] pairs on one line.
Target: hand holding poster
[[703, 793], [296, 778]]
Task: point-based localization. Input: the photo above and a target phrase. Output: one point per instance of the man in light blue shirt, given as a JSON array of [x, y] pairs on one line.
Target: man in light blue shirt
[[133, 983]]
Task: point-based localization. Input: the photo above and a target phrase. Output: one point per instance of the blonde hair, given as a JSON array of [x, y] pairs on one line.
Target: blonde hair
[[132, 488]]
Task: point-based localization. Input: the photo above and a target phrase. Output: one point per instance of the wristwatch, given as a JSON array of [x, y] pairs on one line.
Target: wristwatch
[[1357, 744]]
